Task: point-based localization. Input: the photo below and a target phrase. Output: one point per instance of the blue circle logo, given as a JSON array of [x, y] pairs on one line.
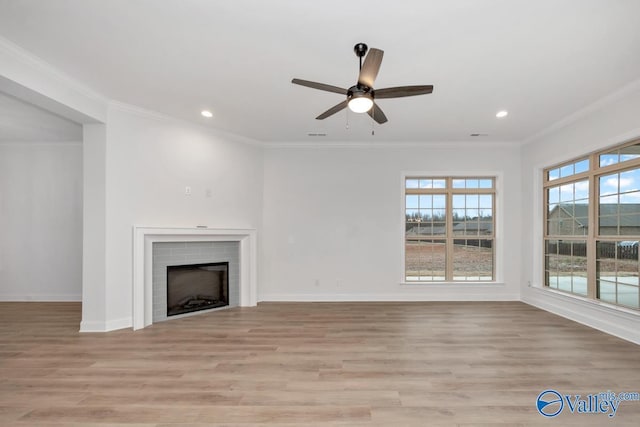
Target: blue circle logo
[[549, 403]]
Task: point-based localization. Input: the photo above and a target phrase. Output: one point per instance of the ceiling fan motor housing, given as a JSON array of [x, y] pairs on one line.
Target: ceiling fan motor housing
[[358, 91]]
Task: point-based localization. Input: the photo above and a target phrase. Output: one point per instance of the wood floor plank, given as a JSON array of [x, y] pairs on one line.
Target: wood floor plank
[[327, 364]]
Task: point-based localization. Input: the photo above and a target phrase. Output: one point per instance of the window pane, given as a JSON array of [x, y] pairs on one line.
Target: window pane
[[426, 183], [439, 201], [582, 166], [566, 171], [458, 183], [619, 204], [608, 184], [486, 183], [632, 197], [472, 200], [620, 155], [459, 201], [411, 183], [553, 174], [425, 200], [411, 201], [581, 189], [473, 260], [570, 217], [608, 159], [566, 265], [566, 192], [425, 260], [628, 294], [486, 201], [617, 270], [629, 153], [412, 216]]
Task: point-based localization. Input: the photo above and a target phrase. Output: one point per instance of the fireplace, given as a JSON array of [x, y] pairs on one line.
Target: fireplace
[[149, 302], [196, 287]]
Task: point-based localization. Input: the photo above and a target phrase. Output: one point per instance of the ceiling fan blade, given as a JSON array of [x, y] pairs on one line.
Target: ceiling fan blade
[[401, 91], [370, 67], [376, 114], [319, 86], [331, 111]]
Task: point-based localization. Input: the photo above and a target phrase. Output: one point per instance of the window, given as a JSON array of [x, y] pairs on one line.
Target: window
[[449, 229], [592, 226]]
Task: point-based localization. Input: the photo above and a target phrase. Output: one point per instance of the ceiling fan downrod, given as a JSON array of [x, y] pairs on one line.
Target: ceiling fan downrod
[[361, 50]]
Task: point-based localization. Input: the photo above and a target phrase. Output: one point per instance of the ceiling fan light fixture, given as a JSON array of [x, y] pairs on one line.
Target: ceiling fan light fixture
[[360, 102]]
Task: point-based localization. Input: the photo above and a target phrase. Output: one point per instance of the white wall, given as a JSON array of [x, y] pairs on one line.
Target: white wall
[[149, 162], [333, 220], [40, 221], [612, 121]]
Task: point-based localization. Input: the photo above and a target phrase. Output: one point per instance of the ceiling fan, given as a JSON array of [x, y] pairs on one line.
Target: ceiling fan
[[361, 97]]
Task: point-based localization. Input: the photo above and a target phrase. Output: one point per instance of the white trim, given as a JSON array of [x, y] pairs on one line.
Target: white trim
[[392, 297], [111, 325], [323, 143], [143, 239], [41, 298], [154, 115], [29, 78], [585, 111], [611, 320], [41, 143]]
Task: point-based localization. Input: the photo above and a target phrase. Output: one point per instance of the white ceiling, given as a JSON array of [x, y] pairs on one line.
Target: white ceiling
[[540, 59], [21, 121]]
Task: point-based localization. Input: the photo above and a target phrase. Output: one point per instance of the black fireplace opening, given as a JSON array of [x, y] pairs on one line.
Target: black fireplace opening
[[196, 287]]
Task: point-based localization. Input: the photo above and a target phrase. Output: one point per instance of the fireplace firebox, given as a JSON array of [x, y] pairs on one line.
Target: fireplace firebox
[[196, 287]]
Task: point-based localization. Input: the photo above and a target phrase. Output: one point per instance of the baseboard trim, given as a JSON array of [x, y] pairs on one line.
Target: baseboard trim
[[110, 325], [622, 324], [41, 298], [395, 297]]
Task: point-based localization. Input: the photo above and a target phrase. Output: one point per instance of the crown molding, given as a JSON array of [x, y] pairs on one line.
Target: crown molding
[[30, 78], [399, 145], [161, 117], [43, 143], [585, 111], [27, 57]]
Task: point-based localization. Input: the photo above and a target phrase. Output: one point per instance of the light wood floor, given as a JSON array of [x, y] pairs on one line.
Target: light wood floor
[[383, 364]]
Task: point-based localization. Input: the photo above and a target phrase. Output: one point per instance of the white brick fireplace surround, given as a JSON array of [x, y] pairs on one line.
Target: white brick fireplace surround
[[145, 237]]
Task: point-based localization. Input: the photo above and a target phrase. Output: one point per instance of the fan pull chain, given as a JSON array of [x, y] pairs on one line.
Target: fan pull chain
[[373, 132]]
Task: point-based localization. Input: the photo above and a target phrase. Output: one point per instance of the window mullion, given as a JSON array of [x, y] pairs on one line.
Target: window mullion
[[593, 232], [449, 232]]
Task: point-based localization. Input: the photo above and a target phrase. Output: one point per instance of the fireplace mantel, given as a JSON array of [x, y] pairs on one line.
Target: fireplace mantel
[[145, 237]]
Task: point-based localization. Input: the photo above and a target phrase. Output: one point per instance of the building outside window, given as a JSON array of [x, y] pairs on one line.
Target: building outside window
[[449, 229]]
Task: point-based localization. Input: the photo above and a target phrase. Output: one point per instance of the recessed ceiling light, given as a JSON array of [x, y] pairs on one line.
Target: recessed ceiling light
[[206, 113], [501, 114]]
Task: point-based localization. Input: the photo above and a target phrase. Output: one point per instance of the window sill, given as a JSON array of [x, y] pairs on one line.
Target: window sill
[[449, 284], [593, 302]]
